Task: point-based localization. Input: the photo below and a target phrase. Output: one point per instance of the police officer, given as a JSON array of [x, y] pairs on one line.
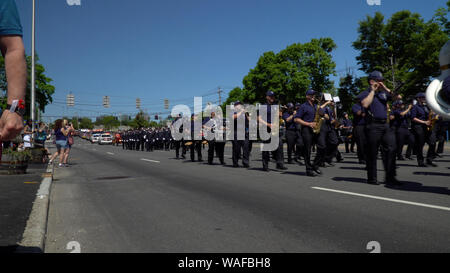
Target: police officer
[[375, 100], [179, 142], [291, 131], [359, 131], [331, 139], [299, 146], [400, 122], [240, 144], [196, 144], [441, 134], [421, 128], [216, 144], [267, 122], [305, 117], [346, 132]]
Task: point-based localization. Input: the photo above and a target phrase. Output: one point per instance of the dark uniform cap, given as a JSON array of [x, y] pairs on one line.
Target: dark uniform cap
[[298, 104], [237, 103], [420, 95], [270, 93], [290, 105], [376, 75], [310, 92]]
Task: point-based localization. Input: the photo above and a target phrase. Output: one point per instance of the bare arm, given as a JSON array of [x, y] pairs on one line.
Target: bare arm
[[406, 111], [11, 124]]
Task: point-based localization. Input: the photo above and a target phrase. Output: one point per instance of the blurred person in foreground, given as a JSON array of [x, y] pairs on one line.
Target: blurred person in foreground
[[11, 46]]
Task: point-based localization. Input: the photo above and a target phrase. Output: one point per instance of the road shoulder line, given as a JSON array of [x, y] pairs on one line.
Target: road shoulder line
[[33, 239], [384, 199]]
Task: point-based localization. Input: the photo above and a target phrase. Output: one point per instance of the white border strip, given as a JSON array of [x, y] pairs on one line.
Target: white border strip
[[149, 160], [385, 199], [35, 231]]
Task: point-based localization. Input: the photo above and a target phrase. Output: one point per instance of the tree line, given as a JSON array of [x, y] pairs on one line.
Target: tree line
[[404, 47]]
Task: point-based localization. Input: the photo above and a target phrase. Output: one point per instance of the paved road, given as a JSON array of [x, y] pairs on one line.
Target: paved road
[[112, 200], [17, 194]]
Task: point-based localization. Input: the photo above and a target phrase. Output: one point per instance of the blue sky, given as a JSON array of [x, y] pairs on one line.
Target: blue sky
[[177, 49]]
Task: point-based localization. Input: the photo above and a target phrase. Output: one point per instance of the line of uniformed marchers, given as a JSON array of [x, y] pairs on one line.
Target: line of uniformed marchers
[[377, 127]]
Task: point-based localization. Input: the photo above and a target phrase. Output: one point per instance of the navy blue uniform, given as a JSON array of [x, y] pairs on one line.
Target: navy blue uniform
[[307, 112], [241, 144], [422, 135], [402, 133], [278, 153], [359, 131], [346, 133], [293, 137], [379, 133]]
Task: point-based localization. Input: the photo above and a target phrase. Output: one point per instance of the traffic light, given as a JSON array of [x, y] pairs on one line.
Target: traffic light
[[166, 104], [156, 117], [106, 102], [70, 100], [138, 103]]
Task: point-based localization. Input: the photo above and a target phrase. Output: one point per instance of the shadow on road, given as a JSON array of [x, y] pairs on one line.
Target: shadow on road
[[296, 173], [353, 168], [350, 179], [432, 173], [419, 187]]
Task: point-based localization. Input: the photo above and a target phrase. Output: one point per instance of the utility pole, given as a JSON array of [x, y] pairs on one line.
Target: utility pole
[[393, 73], [33, 79]]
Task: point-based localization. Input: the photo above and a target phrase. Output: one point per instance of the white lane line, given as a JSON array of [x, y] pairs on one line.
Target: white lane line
[[110, 153], [149, 160], [385, 199]]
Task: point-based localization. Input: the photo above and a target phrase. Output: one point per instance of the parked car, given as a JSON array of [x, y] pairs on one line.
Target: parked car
[[105, 138], [95, 138]]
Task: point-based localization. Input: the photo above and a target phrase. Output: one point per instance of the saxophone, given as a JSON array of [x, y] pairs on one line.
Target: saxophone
[[433, 118], [318, 119]]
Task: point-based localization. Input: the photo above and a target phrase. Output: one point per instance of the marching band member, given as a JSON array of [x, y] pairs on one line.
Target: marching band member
[[270, 100], [306, 118], [375, 100], [421, 122]]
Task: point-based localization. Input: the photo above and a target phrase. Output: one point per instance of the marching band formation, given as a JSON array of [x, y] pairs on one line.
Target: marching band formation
[[383, 124]]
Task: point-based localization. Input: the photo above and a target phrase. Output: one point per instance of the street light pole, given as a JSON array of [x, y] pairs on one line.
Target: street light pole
[[33, 79]]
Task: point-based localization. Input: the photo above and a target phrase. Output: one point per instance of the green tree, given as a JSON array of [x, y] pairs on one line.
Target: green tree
[[289, 73], [108, 122], [86, 123], [405, 48], [347, 93], [75, 123], [44, 90], [139, 121], [441, 18]]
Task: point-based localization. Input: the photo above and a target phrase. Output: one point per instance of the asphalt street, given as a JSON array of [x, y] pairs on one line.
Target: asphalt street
[[17, 194], [112, 200]]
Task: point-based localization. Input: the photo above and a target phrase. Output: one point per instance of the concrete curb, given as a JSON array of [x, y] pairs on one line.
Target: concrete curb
[[34, 235]]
